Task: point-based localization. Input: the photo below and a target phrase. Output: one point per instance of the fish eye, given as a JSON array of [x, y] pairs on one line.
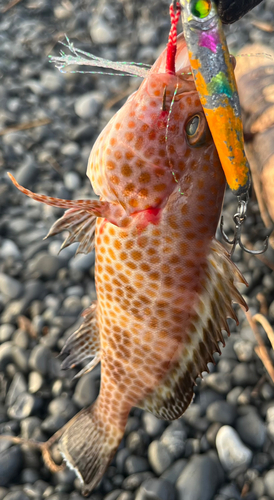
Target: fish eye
[[200, 8], [192, 125], [197, 130]]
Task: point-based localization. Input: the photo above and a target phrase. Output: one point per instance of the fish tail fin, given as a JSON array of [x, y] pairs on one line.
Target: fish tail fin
[[88, 446]]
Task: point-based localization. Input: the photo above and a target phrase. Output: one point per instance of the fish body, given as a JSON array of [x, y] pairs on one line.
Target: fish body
[[164, 284], [215, 82]]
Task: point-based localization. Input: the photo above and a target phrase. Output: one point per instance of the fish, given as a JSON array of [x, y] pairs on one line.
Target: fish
[[214, 77], [164, 284]]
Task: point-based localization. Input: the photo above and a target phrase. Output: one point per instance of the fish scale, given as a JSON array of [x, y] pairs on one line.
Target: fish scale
[[164, 284]]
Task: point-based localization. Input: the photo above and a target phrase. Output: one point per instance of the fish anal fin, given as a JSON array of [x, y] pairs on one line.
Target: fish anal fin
[[172, 397], [83, 344]]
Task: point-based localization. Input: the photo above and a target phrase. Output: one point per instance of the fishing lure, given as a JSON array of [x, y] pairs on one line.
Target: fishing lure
[[215, 82]]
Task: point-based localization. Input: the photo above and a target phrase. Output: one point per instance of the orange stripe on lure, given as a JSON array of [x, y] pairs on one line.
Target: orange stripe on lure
[[215, 82]]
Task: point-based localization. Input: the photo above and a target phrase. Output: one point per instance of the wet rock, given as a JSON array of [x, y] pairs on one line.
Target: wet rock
[[200, 478], [231, 450]]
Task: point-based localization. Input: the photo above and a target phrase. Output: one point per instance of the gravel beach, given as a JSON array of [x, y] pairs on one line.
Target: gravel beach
[[223, 446]]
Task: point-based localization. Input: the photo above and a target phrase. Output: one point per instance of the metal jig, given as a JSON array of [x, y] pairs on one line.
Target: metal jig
[[239, 219]]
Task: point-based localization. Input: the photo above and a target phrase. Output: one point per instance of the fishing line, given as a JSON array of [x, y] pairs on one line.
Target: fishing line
[[166, 136]]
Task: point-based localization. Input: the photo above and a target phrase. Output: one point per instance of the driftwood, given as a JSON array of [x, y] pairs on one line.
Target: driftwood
[[255, 79]]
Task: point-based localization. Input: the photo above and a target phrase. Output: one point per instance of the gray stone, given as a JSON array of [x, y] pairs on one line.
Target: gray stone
[[156, 489], [251, 430], [26, 174], [221, 411], [21, 358], [200, 478], [101, 32], [35, 382], [6, 355], [29, 425], [39, 359], [269, 483], [173, 473], [21, 339], [113, 495], [231, 450], [244, 375], [52, 80], [219, 382], [10, 286], [159, 457], [82, 262], [230, 491], [70, 149], [6, 332], [53, 423], [174, 438], [134, 464], [17, 386], [234, 394], [87, 105], [62, 406], [10, 464], [44, 265], [137, 442], [133, 481], [22, 407], [244, 350], [72, 181], [152, 425], [73, 304], [86, 390], [16, 495], [9, 249]]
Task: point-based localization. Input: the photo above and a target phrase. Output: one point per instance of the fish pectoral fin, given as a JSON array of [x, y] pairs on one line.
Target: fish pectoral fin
[[79, 218], [88, 446], [81, 227], [83, 344]]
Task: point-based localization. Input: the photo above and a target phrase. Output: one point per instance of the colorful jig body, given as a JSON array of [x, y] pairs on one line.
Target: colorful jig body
[[215, 82]]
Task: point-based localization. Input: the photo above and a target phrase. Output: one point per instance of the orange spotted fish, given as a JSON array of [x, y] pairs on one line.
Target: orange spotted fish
[[164, 284]]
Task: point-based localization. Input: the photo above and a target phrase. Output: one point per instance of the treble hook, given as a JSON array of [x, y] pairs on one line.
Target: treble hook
[[239, 219]]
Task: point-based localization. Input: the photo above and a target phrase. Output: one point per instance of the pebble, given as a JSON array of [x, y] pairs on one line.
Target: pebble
[[10, 286], [82, 262], [244, 375], [219, 382], [72, 180], [174, 471], [35, 382], [22, 407], [244, 350], [221, 411], [174, 438], [269, 483], [159, 457], [153, 426], [62, 406], [134, 464], [9, 249], [86, 390], [44, 265], [251, 430], [6, 332], [52, 80], [39, 359], [6, 355], [87, 105], [17, 386], [231, 450], [11, 462], [101, 32], [133, 481], [200, 478], [156, 488]]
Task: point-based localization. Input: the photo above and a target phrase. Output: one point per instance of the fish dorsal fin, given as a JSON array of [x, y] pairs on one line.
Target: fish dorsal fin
[[170, 400], [83, 344]]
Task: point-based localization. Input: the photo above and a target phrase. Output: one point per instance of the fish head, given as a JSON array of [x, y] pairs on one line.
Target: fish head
[[154, 140]]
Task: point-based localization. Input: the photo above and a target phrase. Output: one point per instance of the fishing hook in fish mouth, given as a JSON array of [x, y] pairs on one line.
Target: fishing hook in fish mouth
[[239, 219]]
